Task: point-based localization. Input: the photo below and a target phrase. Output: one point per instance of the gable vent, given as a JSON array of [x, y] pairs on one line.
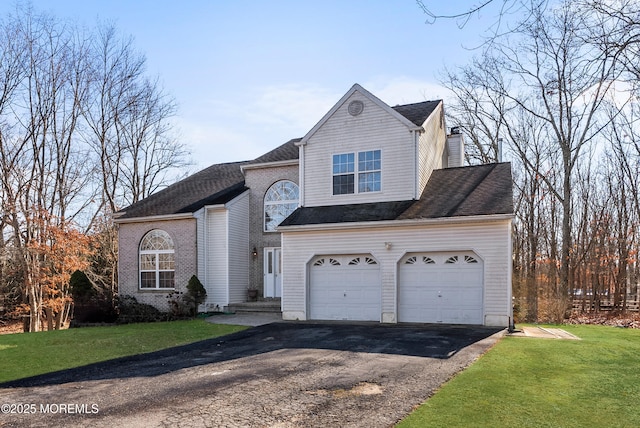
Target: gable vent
[[355, 107]]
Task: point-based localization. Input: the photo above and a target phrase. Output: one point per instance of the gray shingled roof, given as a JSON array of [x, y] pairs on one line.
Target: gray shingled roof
[[417, 112], [214, 185], [451, 192], [347, 213], [287, 151], [468, 190], [220, 183]]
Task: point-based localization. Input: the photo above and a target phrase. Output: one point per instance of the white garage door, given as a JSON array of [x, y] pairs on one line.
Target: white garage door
[[441, 288], [344, 288]]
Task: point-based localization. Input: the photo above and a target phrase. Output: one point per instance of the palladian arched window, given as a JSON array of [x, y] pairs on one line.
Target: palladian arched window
[[280, 200], [157, 261]]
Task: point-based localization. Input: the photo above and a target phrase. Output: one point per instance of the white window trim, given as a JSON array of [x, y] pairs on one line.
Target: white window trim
[[157, 269], [265, 203], [356, 173]]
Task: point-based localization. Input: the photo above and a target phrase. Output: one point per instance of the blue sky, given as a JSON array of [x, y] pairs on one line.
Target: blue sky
[[250, 75]]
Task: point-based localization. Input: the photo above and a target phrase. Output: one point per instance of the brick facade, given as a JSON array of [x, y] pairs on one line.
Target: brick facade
[[183, 234], [259, 180]]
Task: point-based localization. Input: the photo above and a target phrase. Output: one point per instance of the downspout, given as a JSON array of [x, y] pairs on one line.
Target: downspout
[[301, 175], [206, 247], [226, 254], [415, 165], [512, 325]]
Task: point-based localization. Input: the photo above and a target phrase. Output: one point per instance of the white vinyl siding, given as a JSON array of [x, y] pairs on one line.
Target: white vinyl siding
[[374, 129], [223, 252], [201, 247], [238, 248], [490, 240], [217, 257], [430, 148], [455, 151]]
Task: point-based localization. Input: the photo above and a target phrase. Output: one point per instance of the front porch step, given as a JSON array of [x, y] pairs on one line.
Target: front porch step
[[271, 305]]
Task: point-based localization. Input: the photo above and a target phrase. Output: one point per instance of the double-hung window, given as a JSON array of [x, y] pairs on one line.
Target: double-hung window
[[157, 260], [343, 173], [362, 176], [369, 171]]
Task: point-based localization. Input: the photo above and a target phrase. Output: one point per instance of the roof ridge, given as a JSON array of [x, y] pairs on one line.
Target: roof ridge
[[437, 100], [491, 164]]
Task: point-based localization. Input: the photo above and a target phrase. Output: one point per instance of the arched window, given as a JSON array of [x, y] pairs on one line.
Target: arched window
[[280, 200], [157, 261]]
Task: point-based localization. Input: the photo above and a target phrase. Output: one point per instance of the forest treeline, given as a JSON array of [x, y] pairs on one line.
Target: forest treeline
[[555, 92], [84, 131]]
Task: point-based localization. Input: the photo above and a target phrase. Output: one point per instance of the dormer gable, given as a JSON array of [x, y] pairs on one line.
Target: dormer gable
[[365, 151], [355, 108]]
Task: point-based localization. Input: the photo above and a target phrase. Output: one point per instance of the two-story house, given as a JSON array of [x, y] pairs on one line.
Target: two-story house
[[370, 216]]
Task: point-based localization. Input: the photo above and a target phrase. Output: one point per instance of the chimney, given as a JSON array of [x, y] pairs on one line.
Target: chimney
[[455, 148]]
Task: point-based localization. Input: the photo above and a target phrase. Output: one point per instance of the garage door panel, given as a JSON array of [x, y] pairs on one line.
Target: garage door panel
[[447, 290], [417, 314], [346, 289], [457, 316]]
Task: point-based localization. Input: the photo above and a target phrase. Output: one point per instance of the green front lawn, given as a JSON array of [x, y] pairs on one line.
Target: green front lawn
[[29, 354], [526, 382]]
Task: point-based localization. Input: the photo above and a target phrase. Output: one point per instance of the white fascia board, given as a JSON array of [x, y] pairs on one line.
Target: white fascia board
[[167, 217], [269, 164], [226, 204], [214, 207], [399, 223]]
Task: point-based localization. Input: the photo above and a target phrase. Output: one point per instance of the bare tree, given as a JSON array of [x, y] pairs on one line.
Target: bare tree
[[145, 138], [116, 68], [72, 103], [551, 70], [506, 16], [619, 31], [129, 120]]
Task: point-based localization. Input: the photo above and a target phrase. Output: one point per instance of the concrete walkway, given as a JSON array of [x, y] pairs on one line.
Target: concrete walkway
[[544, 333], [252, 319]]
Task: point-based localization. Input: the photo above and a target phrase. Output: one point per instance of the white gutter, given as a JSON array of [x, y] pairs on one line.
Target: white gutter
[[398, 223], [208, 207], [269, 164], [166, 217]]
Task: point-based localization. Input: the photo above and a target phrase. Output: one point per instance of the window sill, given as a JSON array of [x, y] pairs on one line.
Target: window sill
[[342, 195]]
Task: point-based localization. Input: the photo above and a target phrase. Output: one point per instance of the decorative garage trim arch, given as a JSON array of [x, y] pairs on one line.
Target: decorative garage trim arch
[[441, 287], [344, 287]]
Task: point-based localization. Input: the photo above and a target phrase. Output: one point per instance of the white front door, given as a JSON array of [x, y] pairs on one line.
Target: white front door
[[272, 272]]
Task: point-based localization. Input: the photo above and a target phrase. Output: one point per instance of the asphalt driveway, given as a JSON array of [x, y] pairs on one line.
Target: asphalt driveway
[[276, 375]]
